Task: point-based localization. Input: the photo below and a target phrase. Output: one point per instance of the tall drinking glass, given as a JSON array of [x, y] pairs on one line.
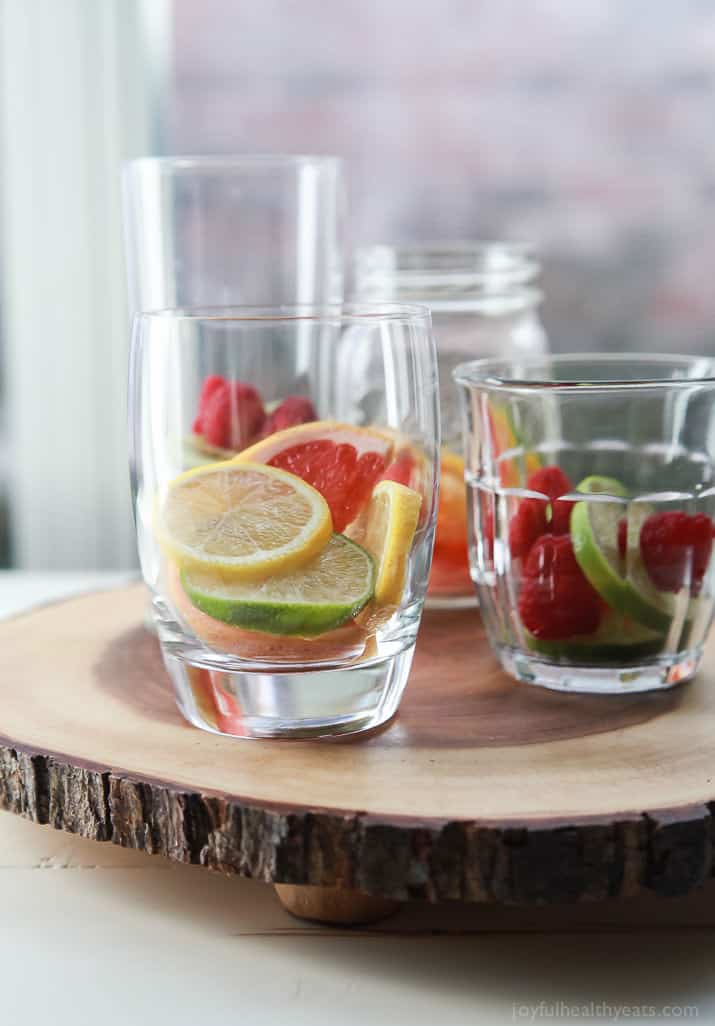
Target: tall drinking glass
[[243, 230], [285, 519]]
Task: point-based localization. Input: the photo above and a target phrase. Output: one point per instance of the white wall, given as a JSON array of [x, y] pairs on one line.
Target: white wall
[[75, 100]]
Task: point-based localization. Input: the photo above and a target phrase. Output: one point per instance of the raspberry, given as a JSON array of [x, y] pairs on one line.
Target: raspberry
[[676, 547], [211, 383], [216, 416], [622, 537], [561, 516], [556, 601], [232, 416], [528, 524], [552, 481], [293, 410], [531, 520]]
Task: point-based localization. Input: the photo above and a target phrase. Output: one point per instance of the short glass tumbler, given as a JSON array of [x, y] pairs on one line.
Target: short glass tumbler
[[591, 488], [285, 519]]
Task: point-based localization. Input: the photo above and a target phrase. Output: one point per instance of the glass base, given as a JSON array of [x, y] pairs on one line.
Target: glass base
[[321, 703], [659, 674]]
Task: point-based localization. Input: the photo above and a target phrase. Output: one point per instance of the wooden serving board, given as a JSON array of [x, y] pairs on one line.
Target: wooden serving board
[[480, 790]]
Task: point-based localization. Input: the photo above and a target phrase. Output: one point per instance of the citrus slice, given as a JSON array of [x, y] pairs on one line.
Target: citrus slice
[[450, 562], [515, 462], [623, 584], [410, 466], [594, 532], [247, 521], [341, 461], [391, 524], [197, 452], [345, 644], [362, 439], [450, 543], [318, 597]]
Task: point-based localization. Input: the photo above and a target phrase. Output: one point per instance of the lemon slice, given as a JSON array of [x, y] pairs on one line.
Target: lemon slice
[[247, 520], [318, 597], [391, 524]]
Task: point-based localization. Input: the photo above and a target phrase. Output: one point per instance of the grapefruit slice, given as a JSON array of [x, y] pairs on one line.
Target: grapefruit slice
[[340, 461], [363, 440]]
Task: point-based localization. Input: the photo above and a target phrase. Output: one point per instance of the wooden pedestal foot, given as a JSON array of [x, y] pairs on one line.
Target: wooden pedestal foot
[[334, 905]]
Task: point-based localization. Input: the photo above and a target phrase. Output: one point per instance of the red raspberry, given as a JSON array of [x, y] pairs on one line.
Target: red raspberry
[[293, 410], [528, 524], [556, 600], [211, 383], [561, 516], [232, 416], [622, 537], [676, 547], [552, 481], [531, 520]]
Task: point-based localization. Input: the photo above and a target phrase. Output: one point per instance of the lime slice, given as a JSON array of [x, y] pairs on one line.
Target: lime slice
[[617, 640], [247, 520], [318, 597], [594, 533], [198, 453]]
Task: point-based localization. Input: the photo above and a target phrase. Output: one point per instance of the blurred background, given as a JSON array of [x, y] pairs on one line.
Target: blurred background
[[583, 127]]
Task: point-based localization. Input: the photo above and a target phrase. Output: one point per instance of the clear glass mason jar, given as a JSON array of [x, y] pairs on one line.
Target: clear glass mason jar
[[483, 304]]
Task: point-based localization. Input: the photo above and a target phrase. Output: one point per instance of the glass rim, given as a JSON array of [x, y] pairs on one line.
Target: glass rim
[[482, 374], [220, 161], [348, 313], [446, 257]]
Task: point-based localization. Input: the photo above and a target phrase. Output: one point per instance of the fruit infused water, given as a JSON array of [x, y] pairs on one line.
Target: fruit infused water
[[287, 545], [592, 537]]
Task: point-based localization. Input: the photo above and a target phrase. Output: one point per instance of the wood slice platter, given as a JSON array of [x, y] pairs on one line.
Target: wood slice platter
[[480, 790]]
